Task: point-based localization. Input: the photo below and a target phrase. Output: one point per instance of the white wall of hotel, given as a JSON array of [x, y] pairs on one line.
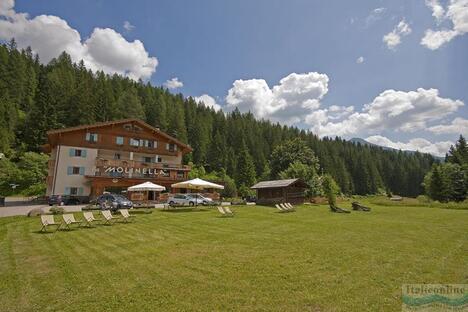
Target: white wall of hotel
[[62, 179]]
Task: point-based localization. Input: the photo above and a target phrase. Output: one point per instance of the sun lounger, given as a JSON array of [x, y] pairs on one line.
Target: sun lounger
[[224, 213], [336, 209], [69, 219], [286, 207], [280, 208], [89, 218], [108, 217], [228, 210], [357, 206], [48, 220], [291, 207], [126, 215]]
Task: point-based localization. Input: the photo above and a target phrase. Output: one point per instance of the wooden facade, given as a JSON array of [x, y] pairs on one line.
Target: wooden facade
[[280, 191]]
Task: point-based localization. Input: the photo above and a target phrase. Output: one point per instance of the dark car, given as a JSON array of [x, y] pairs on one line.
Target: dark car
[[113, 202], [61, 200]]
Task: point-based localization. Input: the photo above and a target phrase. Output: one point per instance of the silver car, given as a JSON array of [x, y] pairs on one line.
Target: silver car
[[188, 200]]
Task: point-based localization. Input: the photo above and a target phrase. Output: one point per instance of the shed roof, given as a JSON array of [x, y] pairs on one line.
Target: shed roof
[[278, 183]]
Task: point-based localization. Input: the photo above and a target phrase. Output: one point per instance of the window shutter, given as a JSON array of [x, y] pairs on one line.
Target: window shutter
[[155, 144], [80, 191], [82, 170], [69, 170], [83, 153], [88, 136], [71, 152], [175, 147], [67, 191], [167, 146], [96, 136]]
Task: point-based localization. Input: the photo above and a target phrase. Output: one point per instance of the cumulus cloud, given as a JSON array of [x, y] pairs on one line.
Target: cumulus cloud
[[393, 38], [360, 60], [456, 13], [128, 26], [49, 35], [396, 110], [288, 101], [416, 144], [208, 101], [457, 126], [173, 83]]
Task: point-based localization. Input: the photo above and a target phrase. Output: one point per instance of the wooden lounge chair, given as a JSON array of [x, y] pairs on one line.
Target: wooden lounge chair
[[224, 213], [291, 207], [108, 217], [357, 206], [89, 218], [48, 220], [336, 209], [126, 215], [280, 208], [228, 210], [288, 209], [69, 219]]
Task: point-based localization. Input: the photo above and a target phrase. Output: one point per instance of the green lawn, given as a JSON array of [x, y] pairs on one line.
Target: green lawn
[[311, 260]]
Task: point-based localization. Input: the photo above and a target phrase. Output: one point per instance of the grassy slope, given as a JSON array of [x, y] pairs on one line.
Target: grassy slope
[[311, 260]]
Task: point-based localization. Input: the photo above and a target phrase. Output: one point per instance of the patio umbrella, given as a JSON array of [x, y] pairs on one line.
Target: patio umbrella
[[197, 184], [146, 187]]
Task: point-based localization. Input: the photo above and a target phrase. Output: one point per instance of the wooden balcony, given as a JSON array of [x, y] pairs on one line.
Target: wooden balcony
[[124, 163]]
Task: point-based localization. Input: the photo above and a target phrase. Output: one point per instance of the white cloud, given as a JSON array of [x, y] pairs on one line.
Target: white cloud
[[393, 39], [438, 10], [173, 83], [374, 16], [360, 60], [456, 12], [395, 110], [416, 144], [50, 35], [458, 126], [288, 102], [208, 101], [128, 26]]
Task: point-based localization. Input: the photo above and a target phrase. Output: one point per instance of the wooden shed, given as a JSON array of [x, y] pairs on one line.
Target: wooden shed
[[280, 191]]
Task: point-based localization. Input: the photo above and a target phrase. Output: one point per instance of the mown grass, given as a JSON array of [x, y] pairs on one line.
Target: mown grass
[[260, 260]]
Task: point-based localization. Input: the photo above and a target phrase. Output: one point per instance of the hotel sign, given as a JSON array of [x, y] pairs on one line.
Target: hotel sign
[[143, 171]]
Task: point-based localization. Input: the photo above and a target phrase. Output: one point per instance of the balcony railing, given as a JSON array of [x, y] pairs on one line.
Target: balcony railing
[[127, 163]]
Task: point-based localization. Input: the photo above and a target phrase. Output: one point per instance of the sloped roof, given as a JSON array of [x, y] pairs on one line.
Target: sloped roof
[[277, 183], [121, 121]]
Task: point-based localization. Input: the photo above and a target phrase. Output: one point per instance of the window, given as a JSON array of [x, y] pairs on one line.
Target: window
[[147, 159], [73, 190], [74, 152], [158, 159], [180, 174], [134, 142], [119, 140], [171, 147], [76, 170], [116, 156], [91, 137]]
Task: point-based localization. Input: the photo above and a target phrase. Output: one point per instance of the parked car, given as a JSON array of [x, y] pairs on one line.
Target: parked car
[[61, 200], [188, 200], [113, 202]]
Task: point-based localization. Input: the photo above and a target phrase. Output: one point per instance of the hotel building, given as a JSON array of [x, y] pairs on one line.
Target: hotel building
[[111, 156]]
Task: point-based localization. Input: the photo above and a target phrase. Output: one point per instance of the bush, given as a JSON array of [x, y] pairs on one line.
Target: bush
[[56, 210], [35, 212]]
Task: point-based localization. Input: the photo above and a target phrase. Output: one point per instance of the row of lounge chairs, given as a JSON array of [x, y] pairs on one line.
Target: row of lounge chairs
[[68, 219], [225, 211], [285, 207]]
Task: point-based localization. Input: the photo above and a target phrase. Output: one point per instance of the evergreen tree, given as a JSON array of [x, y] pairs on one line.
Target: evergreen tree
[[245, 175]]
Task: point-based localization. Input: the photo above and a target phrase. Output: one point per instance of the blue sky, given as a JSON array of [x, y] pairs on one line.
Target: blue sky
[[208, 45]]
